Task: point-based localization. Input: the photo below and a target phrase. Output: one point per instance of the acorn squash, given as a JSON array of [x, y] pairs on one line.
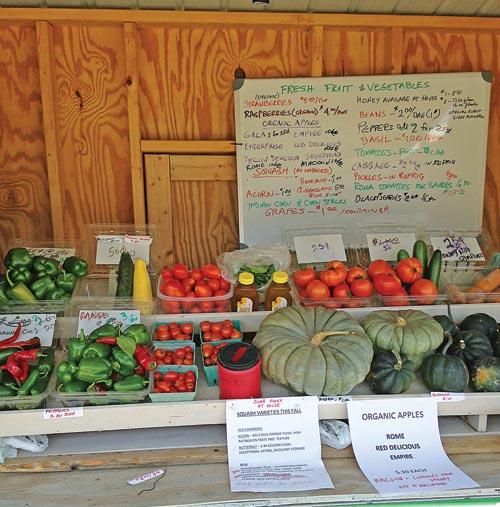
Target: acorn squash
[[391, 373], [485, 374], [314, 350], [480, 322], [447, 324], [470, 345]]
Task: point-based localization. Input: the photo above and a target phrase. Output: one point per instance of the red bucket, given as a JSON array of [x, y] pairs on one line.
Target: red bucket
[[239, 371]]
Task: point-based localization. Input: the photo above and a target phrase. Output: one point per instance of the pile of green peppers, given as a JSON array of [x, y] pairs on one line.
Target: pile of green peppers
[[100, 362], [31, 278]]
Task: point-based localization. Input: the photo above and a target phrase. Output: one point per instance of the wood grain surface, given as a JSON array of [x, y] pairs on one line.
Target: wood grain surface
[[24, 195]]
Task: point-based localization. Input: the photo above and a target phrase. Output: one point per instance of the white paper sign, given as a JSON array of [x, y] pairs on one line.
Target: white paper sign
[[319, 248], [442, 397], [457, 248], [59, 254], [88, 320], [333, 400], [110, 247], [61, 413], [33, 324], [274, 445], [146, 477], [395, 454], [386, 246]]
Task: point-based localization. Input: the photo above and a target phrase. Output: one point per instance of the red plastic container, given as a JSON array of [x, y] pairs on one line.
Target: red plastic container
[[239, 371]]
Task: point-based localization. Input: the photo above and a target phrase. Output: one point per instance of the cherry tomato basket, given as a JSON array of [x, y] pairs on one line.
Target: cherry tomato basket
[[180, 343], [169, 397], [174, 345], [212, 372]]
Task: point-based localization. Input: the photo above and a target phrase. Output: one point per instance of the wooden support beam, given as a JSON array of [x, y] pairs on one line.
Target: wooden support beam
[[45, 48], [185, 147], [134, 124], [203, 168], [394, 50], [316, 50]]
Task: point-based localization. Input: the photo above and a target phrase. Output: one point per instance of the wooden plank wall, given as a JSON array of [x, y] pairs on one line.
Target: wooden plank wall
[[79, 89]]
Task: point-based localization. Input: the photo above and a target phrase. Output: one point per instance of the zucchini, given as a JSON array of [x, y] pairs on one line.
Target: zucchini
[[125, 283], [402, 254], [420, 253], [433, 272]]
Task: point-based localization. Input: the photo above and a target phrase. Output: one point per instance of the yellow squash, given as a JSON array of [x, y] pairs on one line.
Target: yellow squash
[[142, 293]]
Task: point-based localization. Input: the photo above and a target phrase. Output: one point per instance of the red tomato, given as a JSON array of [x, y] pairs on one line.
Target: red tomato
[[227, 322], [207, 350], [215, 327], [399, 299], [317, 290], [188, 283], [163, 387], [409, 270], [160, 353], [171, 375], [302, 293], [173, 325], [171, 306], [214, 284], [196, 275], [222, 307], [225, 285], [361, 288], [355, 273], [341, 291], [157, 375], [162, 333], [235, 334], [166, 273], [379, 267], [387, 285], [226, 331], [203, 291], [206, 306], [195, 309], [302, 277], [190, 386], [353, 303], [204, 326], [334, 274], [427, 291], [211, 271], [173, 288], [180, 271], [187, 328]]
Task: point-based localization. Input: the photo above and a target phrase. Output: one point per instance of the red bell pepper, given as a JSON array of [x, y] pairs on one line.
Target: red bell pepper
[[144, 358]]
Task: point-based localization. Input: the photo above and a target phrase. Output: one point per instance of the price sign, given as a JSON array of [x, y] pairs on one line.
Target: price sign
[[333, 400], [146, 477], [62, 413], [110, 247], [320, 248], [88, 320], [443, 397], [458, 248], [386, 246], [33, 324], [59, 254]]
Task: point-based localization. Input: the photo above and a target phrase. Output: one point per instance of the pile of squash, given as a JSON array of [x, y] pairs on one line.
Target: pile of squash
[[317, 351]]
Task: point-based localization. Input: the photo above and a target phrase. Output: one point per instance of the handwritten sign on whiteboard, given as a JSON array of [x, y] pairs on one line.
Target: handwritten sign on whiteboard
[[346, 150], [457, 248], [320, 248], [386, 246]]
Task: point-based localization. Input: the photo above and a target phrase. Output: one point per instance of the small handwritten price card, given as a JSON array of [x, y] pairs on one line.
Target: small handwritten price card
[[110, 247], [50, 414], [88, 320], [386, 245], [333, 400], [32, 324], [59, 254], [321, 248], [458, 248]]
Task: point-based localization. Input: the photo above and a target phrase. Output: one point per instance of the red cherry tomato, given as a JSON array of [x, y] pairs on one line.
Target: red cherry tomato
[[379, 267], [188, 284], [317, 290], [180, 271], [302, 277], [387, 285], [196, 275], [159, 353], [215, 327], [171, 375], [203, 291], [341, 291], [409, 270], [211, 271], [207, 306], [425, 290], [224, 285], [214, 284], [204, 326], [226, 331], [173, 288], [166, 274], [227, 322], [235, 334], [361, 288], [187, 328], [355, 273]]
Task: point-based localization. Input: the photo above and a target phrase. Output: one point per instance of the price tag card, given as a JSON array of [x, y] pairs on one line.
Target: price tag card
[[457, 248], [395, 454], [146, 477], [61, 413], [110, 247], [88, 320], [274, 445], [32, 324], [386, 246], [321, 248], [442, 397], [333, 400], [59, 254]]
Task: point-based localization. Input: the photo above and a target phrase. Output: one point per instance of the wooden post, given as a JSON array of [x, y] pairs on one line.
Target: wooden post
[[316, 50], [394, 50]]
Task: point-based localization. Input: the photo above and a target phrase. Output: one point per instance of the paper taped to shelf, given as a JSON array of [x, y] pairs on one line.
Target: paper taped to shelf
[[441, 397], [386, 245], [146, 477], [61, 413], [110, 247], [88, 320]]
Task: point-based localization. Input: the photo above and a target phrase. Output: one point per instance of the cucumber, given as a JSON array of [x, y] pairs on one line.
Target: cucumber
[[434, 270], [402, 254], [125, 283], [420, 253]]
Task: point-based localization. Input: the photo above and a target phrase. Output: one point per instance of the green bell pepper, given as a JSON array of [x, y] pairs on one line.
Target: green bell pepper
[[66, 371], [46, 363], [66, 282], [49, 266], [122, 370], [40, 386], [96, 350], [124, 359], [103, 331], [76, 347], [56, 294], [18, 258], [19, 275], [42, 286], [93, 370], [132, 383], [76, 266], [3, 282], [26, 386], [139, 332], [75, 386]]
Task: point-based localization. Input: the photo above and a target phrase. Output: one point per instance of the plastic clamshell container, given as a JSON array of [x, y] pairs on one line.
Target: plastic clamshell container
[[29, 402], [99, 305], [236, 325], [336, 303], [157, 343], [170, 397], [174, 345], [212, 372], [58, 249], [458, 280], [409, 300], [176, 305]]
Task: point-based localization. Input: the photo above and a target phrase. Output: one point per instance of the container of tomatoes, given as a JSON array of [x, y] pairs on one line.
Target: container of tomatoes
[[333, 286], [209, 360], [174, 353], [169, 332], [173, 383], [203, 290], [221, 330]]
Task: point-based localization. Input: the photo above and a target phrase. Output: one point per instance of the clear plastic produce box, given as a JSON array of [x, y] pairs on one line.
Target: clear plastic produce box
[[468, 284], [170, 397]]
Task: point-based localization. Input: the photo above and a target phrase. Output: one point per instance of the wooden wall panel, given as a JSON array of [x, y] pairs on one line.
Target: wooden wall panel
[[90, 80], [466, 52], [24, 202], [186, 75]]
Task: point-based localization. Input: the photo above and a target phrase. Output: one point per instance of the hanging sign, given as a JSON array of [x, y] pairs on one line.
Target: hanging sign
[[386, 246], [457, 248]]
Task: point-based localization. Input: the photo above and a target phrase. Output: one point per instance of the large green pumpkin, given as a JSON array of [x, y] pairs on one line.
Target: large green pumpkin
[[409, 332], [314, 350]]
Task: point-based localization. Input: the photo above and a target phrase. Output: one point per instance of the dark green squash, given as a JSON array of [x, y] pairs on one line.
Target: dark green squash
[[496, 344], [470, 345], [480, 322], [447, 324], [441, 372], [391, 373], [485, 374]]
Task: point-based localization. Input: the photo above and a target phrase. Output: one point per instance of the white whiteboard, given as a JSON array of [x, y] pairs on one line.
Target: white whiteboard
[[348, 150]]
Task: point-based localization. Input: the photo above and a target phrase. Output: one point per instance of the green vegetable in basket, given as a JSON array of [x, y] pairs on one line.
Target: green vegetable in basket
[[139, 332], [46, 265], [7, 391], [103, 331], [9, 381], [28, 384], [76, 266], [130, 384], [125, 281], [17, 258], [75, 386], [19, 275], [66, 371], [40, 386], [5, 353], [94, 370], [66, 282], [46, 363], [19, 292], [262, 274], [76, 347], [56, 294], [42, 286], [124, 360], [96, 350]]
